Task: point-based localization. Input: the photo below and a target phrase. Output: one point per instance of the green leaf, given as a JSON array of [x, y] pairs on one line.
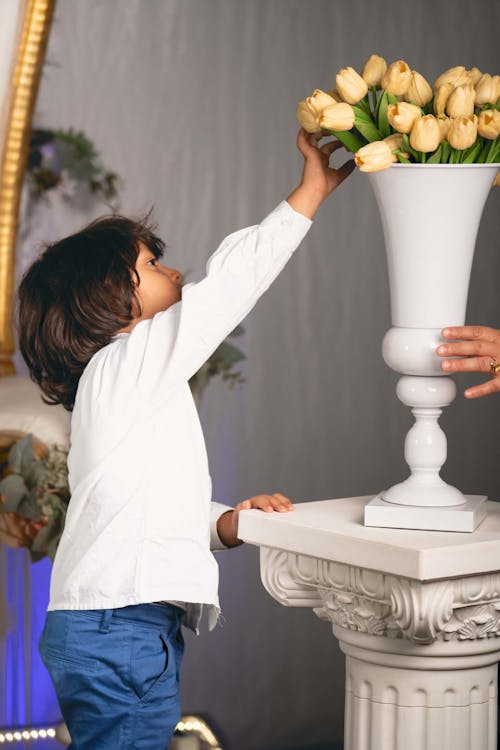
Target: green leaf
[[402, 159], [483, 155], [21, 454], [350, 141], [445, 152], [365, 125], [436, 156], [28, 507], [13, 490], [472, 153], [382, 120], [406, 147]]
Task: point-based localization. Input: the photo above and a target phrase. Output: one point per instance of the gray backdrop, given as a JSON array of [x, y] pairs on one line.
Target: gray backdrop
[[193, 102]]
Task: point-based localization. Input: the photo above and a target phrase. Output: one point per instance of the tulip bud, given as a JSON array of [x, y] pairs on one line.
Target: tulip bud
[[487, 89], [319, 100], [462, 132], [488, 124], [444, 125], [337, 117], [373, 157], [351, 87], [441, 97], [402, 116], [474, 74], [395, 143], [425, 134], [307, 116], [397, 78], [461, 101], [457, 76], [419, 91], [374, 70]]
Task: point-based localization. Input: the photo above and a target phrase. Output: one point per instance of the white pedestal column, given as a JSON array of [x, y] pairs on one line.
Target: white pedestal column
[[417, 615]]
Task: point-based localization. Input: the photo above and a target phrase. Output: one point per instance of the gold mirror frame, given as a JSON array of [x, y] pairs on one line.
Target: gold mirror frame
[[30, 56]]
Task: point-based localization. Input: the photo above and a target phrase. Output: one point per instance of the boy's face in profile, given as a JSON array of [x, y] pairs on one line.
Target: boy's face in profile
[[159, 287]]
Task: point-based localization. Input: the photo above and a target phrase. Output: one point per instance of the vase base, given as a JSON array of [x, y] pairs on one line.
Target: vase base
[[466, 517]]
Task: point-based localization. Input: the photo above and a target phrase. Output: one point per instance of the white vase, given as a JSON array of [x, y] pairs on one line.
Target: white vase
[[430, 217]]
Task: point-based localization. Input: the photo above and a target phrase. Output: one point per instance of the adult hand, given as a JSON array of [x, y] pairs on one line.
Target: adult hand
[[479, 349]]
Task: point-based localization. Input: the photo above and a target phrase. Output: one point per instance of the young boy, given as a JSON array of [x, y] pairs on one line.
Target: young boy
[[112, 335]]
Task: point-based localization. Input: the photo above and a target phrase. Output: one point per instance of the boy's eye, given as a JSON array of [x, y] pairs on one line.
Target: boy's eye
[[153, 261]]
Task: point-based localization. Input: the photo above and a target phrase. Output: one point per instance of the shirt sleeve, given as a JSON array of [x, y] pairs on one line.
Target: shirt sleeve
[[169, 348], [216, 511]]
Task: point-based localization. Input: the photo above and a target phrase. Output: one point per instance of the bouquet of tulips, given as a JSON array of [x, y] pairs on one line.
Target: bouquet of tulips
[[392, 114]]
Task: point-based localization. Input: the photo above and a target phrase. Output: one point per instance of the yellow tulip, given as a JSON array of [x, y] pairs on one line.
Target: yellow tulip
[[444, 125], [402, 116], [441, 97], [488, 124], [457, 76], [395, 143], [351, 87], [307, 116], [462, 132], [373, 157], [425, 135], [487, 89], [337, 117], [419, 91], [374, 70], [397, 78], [461, 101], [474, 74], [319, 100]]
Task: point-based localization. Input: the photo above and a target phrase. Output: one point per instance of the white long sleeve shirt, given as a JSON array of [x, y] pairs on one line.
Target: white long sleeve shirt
[[140, 524]]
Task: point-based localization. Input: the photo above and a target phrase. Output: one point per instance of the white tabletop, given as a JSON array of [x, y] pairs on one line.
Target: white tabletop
[[334, 530]]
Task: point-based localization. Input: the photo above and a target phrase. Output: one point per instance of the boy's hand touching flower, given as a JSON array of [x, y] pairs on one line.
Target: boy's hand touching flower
[[227, 525], [318, 178]]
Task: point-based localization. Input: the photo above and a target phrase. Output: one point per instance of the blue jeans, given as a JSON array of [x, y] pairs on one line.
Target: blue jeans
[[116, 674]]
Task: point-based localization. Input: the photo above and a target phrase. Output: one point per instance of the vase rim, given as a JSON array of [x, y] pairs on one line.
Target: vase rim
[[444, 166]]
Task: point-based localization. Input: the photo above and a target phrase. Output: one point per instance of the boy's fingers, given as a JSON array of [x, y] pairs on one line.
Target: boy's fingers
[[330, 147], [345, 170]]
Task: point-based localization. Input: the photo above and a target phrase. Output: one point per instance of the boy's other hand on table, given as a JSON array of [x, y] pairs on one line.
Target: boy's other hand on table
[[227, 525]]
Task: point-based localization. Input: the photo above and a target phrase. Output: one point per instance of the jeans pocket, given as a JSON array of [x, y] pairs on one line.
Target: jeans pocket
[[152, 664]]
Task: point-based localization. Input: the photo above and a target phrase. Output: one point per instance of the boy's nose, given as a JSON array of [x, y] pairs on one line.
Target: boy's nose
[[176, 276]]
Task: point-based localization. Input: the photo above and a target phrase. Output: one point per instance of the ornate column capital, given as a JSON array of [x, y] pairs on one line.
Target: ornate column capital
[[376, 603]]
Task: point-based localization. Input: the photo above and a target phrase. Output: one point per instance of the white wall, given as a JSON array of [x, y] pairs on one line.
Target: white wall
[[192, 102]]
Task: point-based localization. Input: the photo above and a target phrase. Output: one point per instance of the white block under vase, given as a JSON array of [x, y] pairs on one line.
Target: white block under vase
[[430, 216]]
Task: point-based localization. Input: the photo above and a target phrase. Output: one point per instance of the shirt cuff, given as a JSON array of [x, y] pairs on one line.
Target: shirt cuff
[[216, 511]]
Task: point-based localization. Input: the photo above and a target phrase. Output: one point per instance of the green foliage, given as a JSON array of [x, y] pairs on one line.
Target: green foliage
[[56, 153], [36, 488]]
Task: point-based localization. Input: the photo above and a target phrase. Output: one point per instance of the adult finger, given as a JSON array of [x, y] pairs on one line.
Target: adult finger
[[285, 501], [485, 389], [465, 348], [484, 333], [472, 364]]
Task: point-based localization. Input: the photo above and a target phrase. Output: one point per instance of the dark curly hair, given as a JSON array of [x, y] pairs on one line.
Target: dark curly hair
[[76, 296]]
